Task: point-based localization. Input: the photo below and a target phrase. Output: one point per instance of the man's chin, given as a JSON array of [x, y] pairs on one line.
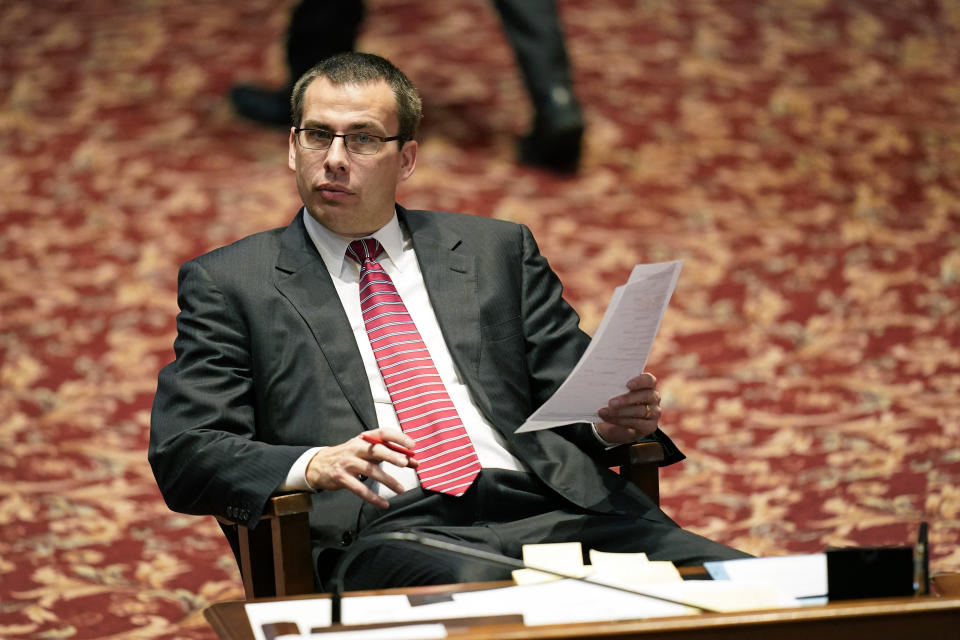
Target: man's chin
[[339, 223]]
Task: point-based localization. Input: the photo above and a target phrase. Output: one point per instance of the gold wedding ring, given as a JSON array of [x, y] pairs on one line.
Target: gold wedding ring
[[649, 411]]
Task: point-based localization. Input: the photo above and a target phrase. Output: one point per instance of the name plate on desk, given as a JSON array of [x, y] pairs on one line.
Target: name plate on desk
[[870, 572]]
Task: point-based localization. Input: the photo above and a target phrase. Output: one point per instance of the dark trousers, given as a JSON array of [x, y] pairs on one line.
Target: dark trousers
[[500, 513], [321, 28]]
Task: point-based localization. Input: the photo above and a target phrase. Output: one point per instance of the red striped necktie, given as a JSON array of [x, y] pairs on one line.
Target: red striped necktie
[[448, 462]]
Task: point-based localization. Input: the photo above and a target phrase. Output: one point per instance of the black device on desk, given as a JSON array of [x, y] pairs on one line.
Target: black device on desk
[[879, 572]]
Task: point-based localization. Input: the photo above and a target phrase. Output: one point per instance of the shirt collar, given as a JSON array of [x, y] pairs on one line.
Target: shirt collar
[[333, 247]]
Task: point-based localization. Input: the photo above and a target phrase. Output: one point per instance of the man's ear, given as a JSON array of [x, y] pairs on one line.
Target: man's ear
[[408, 159], [292, 152]]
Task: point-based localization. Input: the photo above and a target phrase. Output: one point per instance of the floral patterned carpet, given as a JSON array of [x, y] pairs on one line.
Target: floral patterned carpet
[[801, 156]]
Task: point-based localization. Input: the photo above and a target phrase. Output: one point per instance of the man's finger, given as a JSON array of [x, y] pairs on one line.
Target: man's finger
[[354, 484], [398, 437], [379, 475], [643, 381], [383, 453], [642, 411], [644, 396]]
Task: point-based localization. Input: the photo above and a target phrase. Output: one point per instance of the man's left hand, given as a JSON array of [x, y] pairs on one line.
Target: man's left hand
[[633, 415]]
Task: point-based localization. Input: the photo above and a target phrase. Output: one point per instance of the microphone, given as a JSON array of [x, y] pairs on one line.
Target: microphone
[[358, 547]]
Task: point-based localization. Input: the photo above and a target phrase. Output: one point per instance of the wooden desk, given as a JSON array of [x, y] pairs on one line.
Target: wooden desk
[[927, 618]]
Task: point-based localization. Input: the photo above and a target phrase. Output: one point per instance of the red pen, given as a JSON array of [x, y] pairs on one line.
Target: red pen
[[393, 446]]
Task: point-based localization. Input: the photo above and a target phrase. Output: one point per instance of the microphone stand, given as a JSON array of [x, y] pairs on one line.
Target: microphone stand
[[358, 547]]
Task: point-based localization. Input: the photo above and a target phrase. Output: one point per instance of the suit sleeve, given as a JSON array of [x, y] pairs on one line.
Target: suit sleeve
[[554, 341], [555, 344], [204, 449]]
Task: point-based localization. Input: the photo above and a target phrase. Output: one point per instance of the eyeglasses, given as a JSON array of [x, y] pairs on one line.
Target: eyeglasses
[[363, 143]]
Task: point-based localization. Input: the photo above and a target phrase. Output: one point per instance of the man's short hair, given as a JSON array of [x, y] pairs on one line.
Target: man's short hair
[[362, 68]]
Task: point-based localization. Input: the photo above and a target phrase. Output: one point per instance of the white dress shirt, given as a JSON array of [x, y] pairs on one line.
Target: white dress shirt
[[400, 262]]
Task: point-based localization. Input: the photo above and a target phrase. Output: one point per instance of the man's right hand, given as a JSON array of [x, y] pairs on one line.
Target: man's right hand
[[340, 466]]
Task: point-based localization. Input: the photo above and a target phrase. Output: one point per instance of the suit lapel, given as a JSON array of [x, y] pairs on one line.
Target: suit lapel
[[303, 279], [450, 275]]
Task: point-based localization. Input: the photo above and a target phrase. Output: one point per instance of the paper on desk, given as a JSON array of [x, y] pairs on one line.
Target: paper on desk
[[567, 558], [724, 596], [558, 556], [406, 632], [313, 614], [397, 608], [801, 576], [618, 351], [633, 568], [570, 601], [562, 601], [563, 557], [305, 614]]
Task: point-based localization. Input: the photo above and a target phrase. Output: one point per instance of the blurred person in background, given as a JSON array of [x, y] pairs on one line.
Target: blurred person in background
[[320, 28]]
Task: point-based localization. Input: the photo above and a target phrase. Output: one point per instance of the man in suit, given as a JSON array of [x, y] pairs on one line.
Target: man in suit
[[275, 377]]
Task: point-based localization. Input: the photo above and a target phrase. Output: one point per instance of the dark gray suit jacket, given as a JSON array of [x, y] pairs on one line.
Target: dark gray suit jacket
[[267, 366]]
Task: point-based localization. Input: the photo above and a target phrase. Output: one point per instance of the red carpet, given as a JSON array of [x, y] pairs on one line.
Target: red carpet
[[801, 156]]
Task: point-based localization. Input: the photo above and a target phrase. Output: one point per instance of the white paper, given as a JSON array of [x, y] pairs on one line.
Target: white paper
[[562, 601], [315, 613], [800, 576], [407, 632], [567, 601], [306, 614], [634, 569], [724, 595], [375, 609], [618, 351], [630, 569], [397, 608], [556, 556]]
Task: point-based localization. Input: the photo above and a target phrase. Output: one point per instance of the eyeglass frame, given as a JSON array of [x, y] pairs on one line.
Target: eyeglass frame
[[383, 139]]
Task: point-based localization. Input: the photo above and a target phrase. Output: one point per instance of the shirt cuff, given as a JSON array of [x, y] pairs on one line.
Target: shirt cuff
[[297, 476], [596, 434]]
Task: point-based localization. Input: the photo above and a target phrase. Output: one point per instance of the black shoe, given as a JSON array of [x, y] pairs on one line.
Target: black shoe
[[555, 150], [554, 141], [266, 106]]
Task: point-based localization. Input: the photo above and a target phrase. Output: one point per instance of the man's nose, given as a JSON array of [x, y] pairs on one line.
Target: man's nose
[[337, 158]]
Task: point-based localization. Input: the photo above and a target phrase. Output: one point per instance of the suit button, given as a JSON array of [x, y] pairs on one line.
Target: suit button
[[347, 538]]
